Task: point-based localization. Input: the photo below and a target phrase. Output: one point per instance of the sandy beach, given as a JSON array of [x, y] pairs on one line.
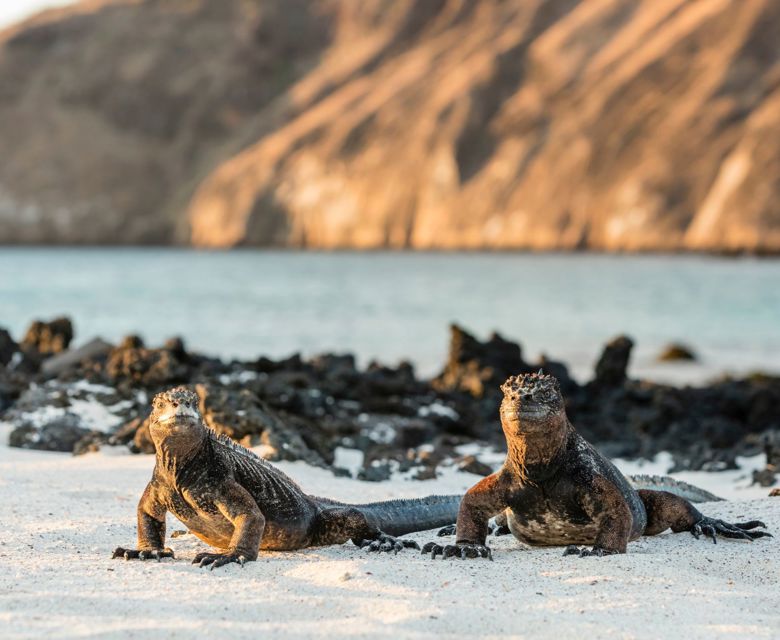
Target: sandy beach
[[61, 516]]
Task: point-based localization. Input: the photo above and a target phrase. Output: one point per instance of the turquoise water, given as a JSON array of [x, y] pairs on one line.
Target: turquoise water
[[397, 306]]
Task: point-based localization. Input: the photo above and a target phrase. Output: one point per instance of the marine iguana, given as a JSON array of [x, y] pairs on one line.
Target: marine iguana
[[236, 501], [556, 489]]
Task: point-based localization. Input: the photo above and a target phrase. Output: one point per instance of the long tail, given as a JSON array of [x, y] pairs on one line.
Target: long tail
[[677, 487], [398, 517]]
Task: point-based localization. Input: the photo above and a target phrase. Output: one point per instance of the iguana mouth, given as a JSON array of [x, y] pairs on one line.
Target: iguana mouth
[[533, 411], [525, 408], [178, 415], [527, 413]]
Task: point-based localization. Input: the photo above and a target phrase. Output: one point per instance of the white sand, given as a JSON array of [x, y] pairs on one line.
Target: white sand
[[60, 518]]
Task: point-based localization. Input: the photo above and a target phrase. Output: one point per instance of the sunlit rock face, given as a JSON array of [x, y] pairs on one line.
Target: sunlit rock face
[[608, 124]]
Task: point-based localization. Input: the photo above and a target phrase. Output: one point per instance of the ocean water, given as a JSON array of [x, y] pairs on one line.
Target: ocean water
[[396, 306]]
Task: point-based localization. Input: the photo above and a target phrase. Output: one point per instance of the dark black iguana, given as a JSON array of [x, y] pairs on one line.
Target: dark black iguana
[[239, 503], [556, 489]]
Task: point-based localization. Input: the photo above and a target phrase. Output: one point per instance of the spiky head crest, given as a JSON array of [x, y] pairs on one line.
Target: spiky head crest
[[539, 386]]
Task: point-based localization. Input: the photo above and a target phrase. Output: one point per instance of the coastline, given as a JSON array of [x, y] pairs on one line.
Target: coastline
[[392, 307]]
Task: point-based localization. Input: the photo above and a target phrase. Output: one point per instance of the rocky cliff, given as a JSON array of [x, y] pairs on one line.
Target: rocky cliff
[[608, 124]]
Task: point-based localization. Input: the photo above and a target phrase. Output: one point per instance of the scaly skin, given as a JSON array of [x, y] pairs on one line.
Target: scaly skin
[[556, 489], [237, 502]]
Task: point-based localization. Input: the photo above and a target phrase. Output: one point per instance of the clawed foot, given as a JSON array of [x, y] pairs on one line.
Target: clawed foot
[[584, 552], [493, 530], [386, 544], [463, 550], [212, 560], [142, 554], [712, 528]]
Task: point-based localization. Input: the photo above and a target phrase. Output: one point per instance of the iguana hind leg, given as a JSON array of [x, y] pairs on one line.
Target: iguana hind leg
[[668, 511], [336, 525]]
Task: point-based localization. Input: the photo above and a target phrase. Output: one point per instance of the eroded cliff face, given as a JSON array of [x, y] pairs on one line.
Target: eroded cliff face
[[111, 112], [608, 124]]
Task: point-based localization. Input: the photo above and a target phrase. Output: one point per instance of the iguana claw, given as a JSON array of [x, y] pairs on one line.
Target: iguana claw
[[385, 543], [584, 552], [142, 554], [462, 550], [212, 560], [712, 528]]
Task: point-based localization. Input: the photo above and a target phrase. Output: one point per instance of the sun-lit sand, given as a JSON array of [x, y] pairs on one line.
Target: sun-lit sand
[[60, 518]]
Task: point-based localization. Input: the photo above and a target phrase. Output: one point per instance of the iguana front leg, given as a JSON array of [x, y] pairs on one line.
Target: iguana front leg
[[483, 501], [151, 529], [607, 506], [240, 508]]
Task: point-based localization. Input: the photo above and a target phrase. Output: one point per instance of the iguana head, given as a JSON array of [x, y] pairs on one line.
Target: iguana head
[[175, 413], [531, 402]]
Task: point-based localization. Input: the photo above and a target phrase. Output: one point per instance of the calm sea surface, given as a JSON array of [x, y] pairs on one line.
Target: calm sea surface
[[393, 306]]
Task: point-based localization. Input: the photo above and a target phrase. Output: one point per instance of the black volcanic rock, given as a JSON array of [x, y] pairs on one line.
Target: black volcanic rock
[[48, 338], [72, 358], [471, 464], [677, 352], [244, 417], [612, 365], [479, 368], [7, 347], [304, 409], [767, 476], [148, 368], [61, 433]]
